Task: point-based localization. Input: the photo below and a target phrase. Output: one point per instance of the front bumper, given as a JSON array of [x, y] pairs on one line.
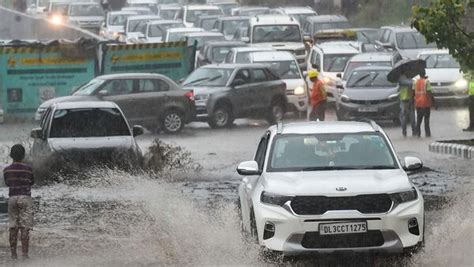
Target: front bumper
[[449, 93], [385, 110], [297, 103], [290, 229]]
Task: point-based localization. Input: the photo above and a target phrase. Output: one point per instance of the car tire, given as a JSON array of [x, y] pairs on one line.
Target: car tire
[[276, 112], [221, 117], [172, 122]]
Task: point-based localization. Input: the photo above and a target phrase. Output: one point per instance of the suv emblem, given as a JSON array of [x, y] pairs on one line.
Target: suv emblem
[[341, 188]]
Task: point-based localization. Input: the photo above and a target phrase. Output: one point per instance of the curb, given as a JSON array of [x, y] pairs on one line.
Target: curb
[[462, 151]]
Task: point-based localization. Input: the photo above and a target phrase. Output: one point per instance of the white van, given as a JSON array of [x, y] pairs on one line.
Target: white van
[[189, 14], [280, 32], [330, 59]]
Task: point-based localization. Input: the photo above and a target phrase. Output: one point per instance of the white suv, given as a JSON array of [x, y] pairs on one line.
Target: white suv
[[330, 186]]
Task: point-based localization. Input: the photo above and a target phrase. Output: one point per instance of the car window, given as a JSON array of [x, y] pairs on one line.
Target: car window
[[118, 87], [155, 31], [314, 152], [261, 151], [229, 56], [243, 75], [259, 76], [153, 85]]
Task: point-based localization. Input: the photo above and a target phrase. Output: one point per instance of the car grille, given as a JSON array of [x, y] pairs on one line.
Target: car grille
[[317, 205], [370, 102], [442, 84], [444, 93], [369, 239]]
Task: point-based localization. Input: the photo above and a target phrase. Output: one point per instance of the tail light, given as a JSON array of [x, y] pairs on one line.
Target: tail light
[[190, 95]]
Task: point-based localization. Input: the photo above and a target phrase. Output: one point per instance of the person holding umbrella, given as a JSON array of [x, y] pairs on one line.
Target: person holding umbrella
[[424, 100]]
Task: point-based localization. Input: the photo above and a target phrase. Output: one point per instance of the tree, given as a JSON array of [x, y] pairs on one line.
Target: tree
[[442, 23]]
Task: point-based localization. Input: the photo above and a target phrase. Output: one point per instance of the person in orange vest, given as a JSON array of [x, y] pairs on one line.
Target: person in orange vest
[[424, 100], [318, 97]]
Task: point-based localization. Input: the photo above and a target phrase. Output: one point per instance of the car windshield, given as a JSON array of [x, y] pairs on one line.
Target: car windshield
[[118, 19], [331, 25], [137, 25], [219, 53], [177, 36], [369, 79], [156, 30], [301, 18], [230, 27], [284, 69], [253, 12], [90, 87], [277, 33], [202, 39], [86, 10], [367, 37], [168, 14], [352, 65], [211, 77], [336, 62], [96, 122], [412, 40], [208, 24], [440, 61], [193, 15], [337, 151]]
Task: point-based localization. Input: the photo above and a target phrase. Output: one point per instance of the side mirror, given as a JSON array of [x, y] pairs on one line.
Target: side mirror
[[138, 130], [238, 82], [248, 168], [36, 133], [412, 164], [103, 93], [305, 74]]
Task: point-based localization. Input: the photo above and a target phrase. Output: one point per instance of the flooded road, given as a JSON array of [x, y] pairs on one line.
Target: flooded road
[[117, 219]]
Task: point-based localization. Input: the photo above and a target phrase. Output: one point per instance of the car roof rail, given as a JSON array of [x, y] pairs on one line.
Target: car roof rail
[[372, 123], [280, 127]]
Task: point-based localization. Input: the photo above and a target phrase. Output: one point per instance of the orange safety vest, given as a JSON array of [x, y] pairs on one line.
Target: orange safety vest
[[318, 93], [422, 98]]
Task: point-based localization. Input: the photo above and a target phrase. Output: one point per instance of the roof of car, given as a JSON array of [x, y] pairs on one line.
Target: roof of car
[[161, 21], [130, 76], [273, 19], [121, 12], [170, 7], [298, 10], [185, 29], [253, 8], [83, 3], [399, 28], [434, 51], [326, 18], [139, 17], [272, 56], [201, 7], [85, 104], [234, 18], [252, 48], [373, 56], [226, 43], [339, 47], [204, 34], [233, 66], [372, 68], [324, 127]]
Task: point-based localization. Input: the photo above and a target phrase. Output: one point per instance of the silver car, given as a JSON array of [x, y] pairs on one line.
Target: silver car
[[86, 15]]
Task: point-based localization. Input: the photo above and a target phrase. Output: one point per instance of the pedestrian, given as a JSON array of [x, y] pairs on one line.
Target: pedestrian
[[19, 178], [424, 100], [318, 97], [407, 109], [470, 128]]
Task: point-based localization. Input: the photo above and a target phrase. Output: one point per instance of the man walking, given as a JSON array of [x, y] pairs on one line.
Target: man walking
[[424, 100], [407, 110], [470, 128], [19, 178], [318, 97]]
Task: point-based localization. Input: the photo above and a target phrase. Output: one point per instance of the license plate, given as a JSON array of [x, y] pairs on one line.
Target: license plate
[[342, 228], [368, 109]]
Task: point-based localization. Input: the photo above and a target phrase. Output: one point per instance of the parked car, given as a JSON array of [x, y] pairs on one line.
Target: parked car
[[407, 41], [190, 13], [168, 12], [330, 59], [76, 136], [285, 66], [239, 55], [156, 29], [113, 26], [328, 187], [176, 34], [366, 36], [299, 13], [314, 24], [214, 52], [445, 76], [206, 22], [135, 27], [368, 94], [230, 25], [382, 59], [152, 100], [227, 92], [280, 32], [88, 16]]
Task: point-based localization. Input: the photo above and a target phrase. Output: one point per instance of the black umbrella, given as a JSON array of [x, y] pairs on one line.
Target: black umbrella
[[409, 67]]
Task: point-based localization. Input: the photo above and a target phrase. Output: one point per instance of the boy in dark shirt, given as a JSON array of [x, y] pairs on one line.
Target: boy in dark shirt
[[19, 178]]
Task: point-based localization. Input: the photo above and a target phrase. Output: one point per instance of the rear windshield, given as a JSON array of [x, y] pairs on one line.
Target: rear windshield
[[94, 122], [331, 25], [412, 40], [336, 62], [440, 61]]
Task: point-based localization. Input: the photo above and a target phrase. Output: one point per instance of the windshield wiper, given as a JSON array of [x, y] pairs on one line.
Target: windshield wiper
[[377, 167], [373, 79], [328, 168], [359, 80], [207, 79], [332, 63], [197, 80]]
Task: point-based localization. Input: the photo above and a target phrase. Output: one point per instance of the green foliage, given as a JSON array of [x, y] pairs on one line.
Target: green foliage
[[442, 22]]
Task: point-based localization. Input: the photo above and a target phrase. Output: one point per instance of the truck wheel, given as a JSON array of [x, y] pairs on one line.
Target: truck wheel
[[221, 117], [276, 112], [172, 122]]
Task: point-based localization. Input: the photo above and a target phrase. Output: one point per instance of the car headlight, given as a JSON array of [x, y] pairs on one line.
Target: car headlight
[[56, 19], [299, 90], [393, 97], [274, 199], [403, 197], [461, 84], [345, 99]]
